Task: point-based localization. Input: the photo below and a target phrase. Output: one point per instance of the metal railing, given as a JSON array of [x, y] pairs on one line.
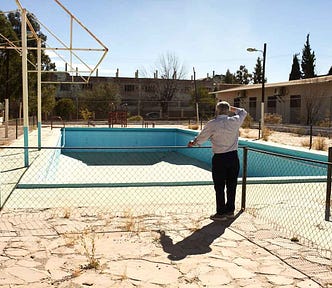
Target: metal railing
[[291, 193]]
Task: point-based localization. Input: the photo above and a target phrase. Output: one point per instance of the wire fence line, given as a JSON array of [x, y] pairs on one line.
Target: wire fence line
[[291, 193]]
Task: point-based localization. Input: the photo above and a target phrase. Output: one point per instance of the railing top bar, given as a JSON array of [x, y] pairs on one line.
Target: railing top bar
[[286, 156], [166, 147], [106, 147]]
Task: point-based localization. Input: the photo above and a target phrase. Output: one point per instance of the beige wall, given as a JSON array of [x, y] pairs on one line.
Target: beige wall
[[316, 96]]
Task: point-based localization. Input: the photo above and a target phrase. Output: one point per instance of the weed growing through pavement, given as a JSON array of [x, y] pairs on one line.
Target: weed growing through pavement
[[88, 242]]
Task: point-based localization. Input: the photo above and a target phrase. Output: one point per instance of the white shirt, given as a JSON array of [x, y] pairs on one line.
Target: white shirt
[[223, 132]]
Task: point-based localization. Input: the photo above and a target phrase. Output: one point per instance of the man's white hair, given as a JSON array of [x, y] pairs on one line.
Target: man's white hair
[[222, 107]]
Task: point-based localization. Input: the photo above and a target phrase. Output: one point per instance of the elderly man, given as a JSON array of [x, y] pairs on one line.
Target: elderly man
[[223, 132]]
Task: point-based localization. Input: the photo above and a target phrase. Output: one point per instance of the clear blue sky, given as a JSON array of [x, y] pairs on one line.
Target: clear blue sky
[[210, 35]]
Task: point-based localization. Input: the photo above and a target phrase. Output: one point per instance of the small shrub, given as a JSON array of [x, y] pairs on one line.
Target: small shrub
[[247, 122], [89, 249], [324, 123], [305, 143], [193, 126], [272, 118], [86, 114], [135, 118], [266, 133], [319, 143]]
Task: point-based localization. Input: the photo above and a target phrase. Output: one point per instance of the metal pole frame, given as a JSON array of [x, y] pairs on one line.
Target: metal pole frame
[[263, 91], [328, 187], [244, 178], [25, 87]]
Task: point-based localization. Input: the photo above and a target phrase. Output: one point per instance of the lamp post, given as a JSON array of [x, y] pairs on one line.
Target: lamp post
[[196, 97], [263, 83]]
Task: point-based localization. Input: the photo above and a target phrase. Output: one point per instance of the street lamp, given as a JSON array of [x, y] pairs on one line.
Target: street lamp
[[263, 83], [196, 97]]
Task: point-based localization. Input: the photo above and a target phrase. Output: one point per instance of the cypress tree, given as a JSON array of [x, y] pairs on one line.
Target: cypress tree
[[308, 61], [296, 71]]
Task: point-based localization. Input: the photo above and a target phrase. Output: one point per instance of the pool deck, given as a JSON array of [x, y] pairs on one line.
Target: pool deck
[[43, 248]]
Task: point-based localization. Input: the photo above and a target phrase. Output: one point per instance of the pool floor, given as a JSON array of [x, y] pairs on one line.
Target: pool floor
[[112, 169]]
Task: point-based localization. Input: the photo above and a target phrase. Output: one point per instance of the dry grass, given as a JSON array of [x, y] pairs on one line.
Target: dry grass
[[193, 126], [318, 143], [88, 242], [266, 133]]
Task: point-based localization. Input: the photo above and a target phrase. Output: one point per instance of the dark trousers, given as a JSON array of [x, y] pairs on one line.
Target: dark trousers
[[225, 170]]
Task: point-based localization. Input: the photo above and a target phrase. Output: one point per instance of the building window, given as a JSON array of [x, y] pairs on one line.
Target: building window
[[149, 89], [295, 109], [295, 101], [236, 102], [129, 88], [252, 107], [252, 102], [272, 104]]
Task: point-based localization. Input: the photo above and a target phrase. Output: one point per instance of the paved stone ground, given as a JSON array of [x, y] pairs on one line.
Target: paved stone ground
[[103, 250], [48, 249]]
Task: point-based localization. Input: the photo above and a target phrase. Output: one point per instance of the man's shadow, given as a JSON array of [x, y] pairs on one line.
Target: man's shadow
[[197, 243]]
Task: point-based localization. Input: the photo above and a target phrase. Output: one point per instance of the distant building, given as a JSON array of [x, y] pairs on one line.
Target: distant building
[[138, 95], [305, 101]]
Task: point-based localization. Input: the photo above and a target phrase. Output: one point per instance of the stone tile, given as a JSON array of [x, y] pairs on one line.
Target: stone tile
[[27, 274], [215, 277]]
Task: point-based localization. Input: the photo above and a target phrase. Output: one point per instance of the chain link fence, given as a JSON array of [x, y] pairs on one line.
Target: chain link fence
[[293, 194]]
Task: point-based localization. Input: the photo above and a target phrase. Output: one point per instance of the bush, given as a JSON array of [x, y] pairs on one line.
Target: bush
[[324, 123], [272, 118], [266, 133], [193, 126], [319, 143], [247, 121], [135, 118]]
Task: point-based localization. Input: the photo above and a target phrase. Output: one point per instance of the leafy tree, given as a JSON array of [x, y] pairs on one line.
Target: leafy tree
[[296, 71], [206, 101], [65, 108], [242, 75], [100, 99], [230, 78], [308, 61], [48, 101], [258, 72], [11, 63]]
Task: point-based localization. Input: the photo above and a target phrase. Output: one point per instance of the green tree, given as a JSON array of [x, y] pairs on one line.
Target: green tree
[[230, 78], [242, 75], [258, 72], [206, 101], [10, 67], [99, 99], [11, 63], [48, 101], [308, 61], [65, 108], [296, 71]]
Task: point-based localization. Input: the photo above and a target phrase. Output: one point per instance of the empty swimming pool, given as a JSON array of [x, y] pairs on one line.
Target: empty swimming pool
[[156, 156]]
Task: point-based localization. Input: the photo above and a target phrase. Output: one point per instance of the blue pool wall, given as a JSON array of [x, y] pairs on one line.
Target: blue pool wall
[[259, 164]]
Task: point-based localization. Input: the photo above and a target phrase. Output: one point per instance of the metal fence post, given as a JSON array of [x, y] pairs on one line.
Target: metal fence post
[[310, 139], [16, 128], [328, 187], [244, 178]]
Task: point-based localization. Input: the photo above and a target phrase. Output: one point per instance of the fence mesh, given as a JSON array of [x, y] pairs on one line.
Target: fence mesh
[[290, 192]]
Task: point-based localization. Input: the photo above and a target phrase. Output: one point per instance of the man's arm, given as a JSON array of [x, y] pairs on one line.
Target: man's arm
[[203, 136]]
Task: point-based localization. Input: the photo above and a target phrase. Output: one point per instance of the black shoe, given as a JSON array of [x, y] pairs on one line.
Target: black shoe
[[229, 214], [218, 217]]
